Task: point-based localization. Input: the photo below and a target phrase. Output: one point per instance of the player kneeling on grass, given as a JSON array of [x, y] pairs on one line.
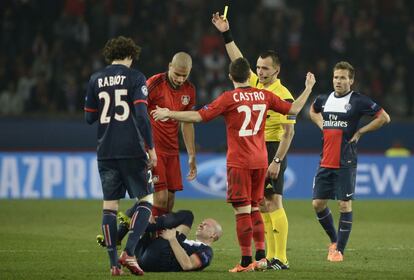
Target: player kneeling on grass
[[165, 247], [244, 110]]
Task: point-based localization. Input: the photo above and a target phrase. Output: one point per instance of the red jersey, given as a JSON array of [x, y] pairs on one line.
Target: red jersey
[[245, 110], [161, 93]]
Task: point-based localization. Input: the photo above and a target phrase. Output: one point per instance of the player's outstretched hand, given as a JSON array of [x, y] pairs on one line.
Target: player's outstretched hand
[[160, 114], [192, 173], [221, 24], [310, 80]]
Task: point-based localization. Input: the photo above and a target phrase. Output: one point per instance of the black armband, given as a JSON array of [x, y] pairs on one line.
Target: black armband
[[227, 36]]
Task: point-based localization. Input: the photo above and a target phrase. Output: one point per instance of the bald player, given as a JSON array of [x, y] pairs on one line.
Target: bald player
[[171, 90]]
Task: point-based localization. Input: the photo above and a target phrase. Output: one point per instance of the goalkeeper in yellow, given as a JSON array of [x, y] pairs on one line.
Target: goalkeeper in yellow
[[279, 131]]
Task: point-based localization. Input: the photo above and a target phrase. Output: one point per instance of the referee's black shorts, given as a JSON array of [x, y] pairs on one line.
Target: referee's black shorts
[[274, 186]]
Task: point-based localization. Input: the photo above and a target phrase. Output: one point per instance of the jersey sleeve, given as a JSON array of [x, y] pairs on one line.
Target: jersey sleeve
[[205, 254], [91, 102], [214, 109], [317, 104], [287, 96], [139, 98], [151, 89], [368, 106], [140, 93], [278, 105], [192, 103]]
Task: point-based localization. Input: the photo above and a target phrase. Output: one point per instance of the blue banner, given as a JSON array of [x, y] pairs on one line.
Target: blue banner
[[75, 176]]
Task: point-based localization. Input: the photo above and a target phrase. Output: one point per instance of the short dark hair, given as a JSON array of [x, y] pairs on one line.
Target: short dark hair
[[239, 70], [345, 65], [273, 55], [120, 48]]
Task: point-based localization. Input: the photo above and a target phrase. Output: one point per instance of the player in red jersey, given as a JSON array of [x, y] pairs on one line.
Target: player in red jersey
[[171, 90], [244, 110]]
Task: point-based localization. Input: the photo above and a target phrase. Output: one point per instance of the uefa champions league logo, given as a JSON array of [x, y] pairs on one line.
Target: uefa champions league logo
[[212, 178]]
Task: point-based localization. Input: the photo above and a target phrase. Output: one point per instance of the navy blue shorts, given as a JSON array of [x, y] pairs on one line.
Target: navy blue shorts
[[121, 175], [334, 183], [275, 186]]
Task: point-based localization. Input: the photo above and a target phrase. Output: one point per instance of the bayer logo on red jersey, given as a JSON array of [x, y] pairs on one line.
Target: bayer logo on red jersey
[[185, 100]]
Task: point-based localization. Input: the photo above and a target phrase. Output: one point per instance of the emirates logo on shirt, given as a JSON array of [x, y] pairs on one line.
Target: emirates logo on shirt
[[185, 99]]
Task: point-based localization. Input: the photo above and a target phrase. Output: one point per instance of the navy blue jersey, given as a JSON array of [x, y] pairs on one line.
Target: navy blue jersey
[[341, 116], [157, 254], [114, 93], [203, 251]]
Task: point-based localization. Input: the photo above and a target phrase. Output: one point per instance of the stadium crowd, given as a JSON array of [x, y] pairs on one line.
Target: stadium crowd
[[49, 48]]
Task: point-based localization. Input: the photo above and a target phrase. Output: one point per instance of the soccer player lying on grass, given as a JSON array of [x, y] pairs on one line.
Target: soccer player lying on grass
[[165, 247], [244, 110]]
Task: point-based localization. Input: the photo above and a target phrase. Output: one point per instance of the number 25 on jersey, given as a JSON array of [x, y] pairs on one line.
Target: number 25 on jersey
[[119, 93]]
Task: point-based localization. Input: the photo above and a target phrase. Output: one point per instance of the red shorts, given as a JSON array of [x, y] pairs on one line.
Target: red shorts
[[245, 185], [167, 173]]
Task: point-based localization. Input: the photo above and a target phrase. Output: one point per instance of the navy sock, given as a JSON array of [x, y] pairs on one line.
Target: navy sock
[[172, 220], [131, 210], [139, 222], [344, 230], [326, 220], [109, 230], [122, 229]]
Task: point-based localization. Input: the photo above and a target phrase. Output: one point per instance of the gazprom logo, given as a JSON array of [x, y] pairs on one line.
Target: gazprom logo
[[211, 177]]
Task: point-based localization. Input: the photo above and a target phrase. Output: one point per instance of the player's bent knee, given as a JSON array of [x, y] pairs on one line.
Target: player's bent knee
[[111, 204], [345, 206], [148, 198], [318, 205], [187, 217]]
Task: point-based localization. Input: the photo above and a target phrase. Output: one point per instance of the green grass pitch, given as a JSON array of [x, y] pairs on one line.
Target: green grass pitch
[[41, 239]]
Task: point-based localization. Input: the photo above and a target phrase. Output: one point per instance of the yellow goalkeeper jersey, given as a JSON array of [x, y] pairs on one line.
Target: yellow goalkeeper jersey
[[274, 121]]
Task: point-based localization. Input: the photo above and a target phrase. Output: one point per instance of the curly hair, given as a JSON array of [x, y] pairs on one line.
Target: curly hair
[[120, 48]]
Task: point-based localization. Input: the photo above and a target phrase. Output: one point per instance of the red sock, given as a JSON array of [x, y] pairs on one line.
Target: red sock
[[244, 233], [158, 211], [258, 230]]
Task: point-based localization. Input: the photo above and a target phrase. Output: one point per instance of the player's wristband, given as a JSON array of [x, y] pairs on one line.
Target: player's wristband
[[227, 36]]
